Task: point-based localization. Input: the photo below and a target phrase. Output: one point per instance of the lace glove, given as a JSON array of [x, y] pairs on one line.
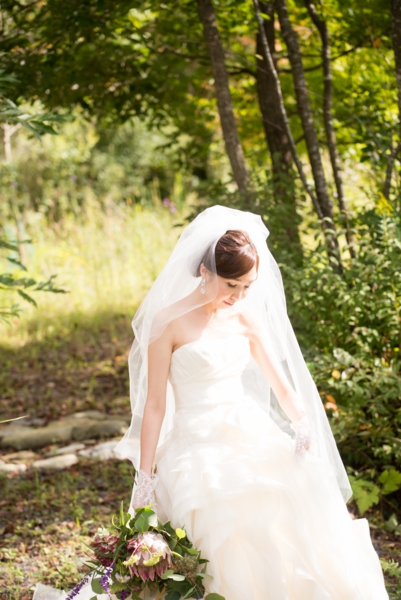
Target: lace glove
[[304, 438], [145, 490]]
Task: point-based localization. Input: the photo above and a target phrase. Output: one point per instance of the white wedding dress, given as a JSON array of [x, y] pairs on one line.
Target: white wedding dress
[[272, 527]]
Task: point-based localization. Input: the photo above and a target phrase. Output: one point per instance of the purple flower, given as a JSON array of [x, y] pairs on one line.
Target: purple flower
[[172, 208], [105, 578], [166, 202], [124, 594], [77, 588]]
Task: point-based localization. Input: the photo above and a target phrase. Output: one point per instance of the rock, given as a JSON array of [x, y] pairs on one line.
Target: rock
[[37, 438], [56, 462], [23, 455], [8, 430], [103, 451], [100, 429], [91, 415], [67, 449], [11, 467]]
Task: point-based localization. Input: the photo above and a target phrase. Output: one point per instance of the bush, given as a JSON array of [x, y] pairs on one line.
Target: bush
[[350, 330]]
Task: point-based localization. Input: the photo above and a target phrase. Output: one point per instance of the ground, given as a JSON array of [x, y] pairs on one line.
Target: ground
[[46, 520]]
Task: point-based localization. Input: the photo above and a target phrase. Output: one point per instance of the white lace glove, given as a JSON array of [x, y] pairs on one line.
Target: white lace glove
[[304, 438], [145, 490]]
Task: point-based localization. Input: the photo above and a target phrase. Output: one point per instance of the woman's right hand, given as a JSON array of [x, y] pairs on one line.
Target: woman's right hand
[[144, 493]]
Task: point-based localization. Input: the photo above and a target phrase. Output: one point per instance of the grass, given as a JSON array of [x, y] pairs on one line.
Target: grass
[[46, 522], [71, 352]]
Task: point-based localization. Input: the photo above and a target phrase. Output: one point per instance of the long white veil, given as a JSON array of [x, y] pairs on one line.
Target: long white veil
[[176, 291]]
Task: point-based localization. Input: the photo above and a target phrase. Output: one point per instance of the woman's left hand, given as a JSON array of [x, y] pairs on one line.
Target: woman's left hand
[[304, 438]]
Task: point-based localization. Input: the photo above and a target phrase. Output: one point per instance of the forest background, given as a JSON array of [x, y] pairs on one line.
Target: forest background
[[122, 120]]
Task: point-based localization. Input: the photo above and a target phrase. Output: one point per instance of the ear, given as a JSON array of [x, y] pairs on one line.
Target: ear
[[204, 271]]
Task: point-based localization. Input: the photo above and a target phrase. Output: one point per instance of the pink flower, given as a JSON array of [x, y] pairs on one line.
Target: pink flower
[[104, 544], [150, 556], [166, 202]]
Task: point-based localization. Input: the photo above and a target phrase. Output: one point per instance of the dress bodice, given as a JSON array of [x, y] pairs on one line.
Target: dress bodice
[[208, 371]]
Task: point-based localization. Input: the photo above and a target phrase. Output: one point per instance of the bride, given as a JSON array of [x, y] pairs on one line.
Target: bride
[[224, 405]]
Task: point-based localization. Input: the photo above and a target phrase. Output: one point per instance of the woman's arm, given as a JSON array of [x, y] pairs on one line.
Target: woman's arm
[[269, 365], [159, 358]]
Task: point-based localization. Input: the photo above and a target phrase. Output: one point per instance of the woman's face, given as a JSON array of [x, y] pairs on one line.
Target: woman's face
[[231, 291]]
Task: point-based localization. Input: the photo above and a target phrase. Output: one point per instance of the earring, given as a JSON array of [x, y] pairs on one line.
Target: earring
[[202, 286]]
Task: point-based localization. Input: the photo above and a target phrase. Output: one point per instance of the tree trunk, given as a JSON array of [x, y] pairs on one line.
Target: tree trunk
[[230, 133], [321, 26], [312, 143], [389, 171], [331, 240], [396, 35], [275, 132]]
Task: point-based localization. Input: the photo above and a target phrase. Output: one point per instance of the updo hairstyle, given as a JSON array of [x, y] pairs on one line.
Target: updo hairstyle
[[234, 255]]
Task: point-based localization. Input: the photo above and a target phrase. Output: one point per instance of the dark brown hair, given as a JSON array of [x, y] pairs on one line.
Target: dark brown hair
[[234, 255]]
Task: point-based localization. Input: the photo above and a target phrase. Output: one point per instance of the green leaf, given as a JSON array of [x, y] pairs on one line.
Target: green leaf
[[26, 297], [366, 493], [391, 481], [167, 573], [192, 551], [14, 261], [214, 597], [188, 594], [96, 587], [173, 595], [94, 598]]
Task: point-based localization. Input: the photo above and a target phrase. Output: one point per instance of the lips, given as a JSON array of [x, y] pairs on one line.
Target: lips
[[228, 304]]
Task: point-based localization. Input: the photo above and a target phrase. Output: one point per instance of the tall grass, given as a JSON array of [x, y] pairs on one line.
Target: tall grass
[[106, 260]]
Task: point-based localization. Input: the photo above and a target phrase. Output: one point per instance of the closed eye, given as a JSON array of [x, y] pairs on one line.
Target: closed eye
[[231, 285]]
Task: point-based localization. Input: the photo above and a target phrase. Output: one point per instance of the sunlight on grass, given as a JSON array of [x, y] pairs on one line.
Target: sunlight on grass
[[106, 261]]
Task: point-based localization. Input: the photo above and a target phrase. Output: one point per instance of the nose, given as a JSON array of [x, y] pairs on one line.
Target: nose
[[236, 295]]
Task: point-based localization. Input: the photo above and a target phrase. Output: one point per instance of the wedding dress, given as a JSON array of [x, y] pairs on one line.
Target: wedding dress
[[273, 528]]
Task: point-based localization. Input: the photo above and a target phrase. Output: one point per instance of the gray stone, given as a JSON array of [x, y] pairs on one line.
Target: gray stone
[[103, 451], [67, 449], [11, 467], [92, 415], [56, 462], [8, 430], [100, 429], [37, 438]]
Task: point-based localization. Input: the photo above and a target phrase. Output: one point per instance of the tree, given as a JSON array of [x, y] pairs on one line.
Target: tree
[[396, 37], [325, 211], [230, 133], [328, 119]]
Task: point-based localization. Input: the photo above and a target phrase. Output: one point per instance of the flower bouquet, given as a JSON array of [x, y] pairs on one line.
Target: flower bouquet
[[138, 552]]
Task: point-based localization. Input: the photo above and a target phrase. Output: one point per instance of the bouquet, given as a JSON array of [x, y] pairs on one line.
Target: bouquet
[[138, 552]]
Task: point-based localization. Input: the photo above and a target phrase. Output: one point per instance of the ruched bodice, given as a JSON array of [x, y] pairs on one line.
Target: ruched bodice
[[207, 373]]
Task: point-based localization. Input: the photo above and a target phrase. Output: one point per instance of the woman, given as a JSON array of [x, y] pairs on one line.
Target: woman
[[266, 509], [224, 404]]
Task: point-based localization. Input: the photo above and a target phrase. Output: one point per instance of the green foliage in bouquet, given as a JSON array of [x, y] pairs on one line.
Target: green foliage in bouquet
[[138, 552]]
